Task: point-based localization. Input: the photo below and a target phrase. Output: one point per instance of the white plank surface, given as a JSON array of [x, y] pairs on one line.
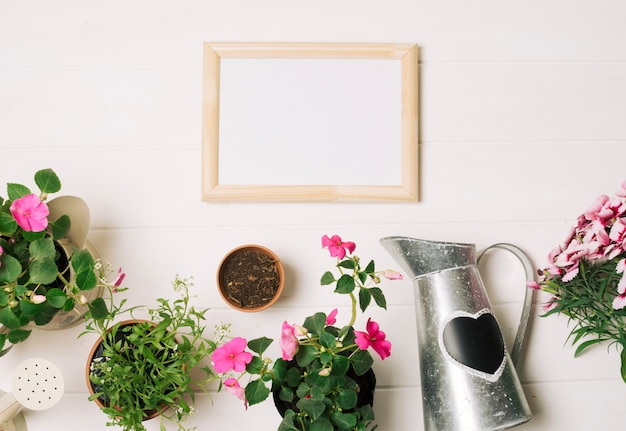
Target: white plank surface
[[522, 126]]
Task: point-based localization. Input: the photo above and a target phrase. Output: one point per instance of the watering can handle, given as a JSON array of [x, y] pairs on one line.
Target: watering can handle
[[528, 297]]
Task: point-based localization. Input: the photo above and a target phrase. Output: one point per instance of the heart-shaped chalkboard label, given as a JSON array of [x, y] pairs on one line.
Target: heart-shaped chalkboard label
[[475, 341]]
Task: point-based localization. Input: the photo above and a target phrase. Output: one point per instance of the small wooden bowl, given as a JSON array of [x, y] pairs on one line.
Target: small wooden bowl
[[250, 278]]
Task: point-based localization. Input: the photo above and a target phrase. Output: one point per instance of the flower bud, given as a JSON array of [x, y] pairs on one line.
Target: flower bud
[[390, 274], [38, 299], [324, 372]]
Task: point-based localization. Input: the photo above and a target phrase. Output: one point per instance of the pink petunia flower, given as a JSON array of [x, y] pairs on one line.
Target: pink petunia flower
[[331, 319], [374, 338], [1, 251], [337, 247], [231, 356], [30, 213], [232, 385], [288, 342]]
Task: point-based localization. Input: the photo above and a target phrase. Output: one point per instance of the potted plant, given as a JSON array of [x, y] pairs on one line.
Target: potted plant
[[139, 369], [250, 278], [586, 278], [47, 269], [323, 380]]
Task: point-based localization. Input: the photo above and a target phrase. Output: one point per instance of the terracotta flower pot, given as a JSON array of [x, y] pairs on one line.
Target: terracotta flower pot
[[250, 278]]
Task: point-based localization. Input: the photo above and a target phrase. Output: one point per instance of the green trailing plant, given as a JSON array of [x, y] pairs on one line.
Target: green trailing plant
[[146, 366]]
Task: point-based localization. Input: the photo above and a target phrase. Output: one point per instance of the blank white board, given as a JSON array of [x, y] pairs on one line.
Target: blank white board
[[310, 122]]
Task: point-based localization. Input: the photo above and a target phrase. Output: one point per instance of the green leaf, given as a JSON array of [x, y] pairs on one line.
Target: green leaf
[[379, 297], [312, 407], [256, 392], [327, 277], [343, 421], [340, 365], [315, 324], [259, 345], [347, 399], [348, 264], [47, 181], [10, 268], [279, 371], [33, 236], [255, 365], [86, 280], [287, 423], [42, 248], [345, 284], [18, 335], [285, 394], [582, 346], [361, 362], [369, 269], [306, 355], [4, 299], [82, 261], [328, 340], [30, 309], [9, 319], [321, 424], [16, 191], [292, 377], [60, 227], [56, 298], [43, 271], [365, 297], [8, 225], [367, 413], [98, 309]]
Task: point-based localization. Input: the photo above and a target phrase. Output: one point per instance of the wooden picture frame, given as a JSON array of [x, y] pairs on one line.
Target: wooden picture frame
[[403, 142]]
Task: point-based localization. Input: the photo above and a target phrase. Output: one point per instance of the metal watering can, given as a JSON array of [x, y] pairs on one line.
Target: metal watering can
[[468, 378]]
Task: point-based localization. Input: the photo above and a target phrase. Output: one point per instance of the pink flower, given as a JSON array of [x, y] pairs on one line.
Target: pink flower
[[337, 247], [551, 304], [288, 342], [1, 251], [30, 213], [533, 285], [231, 356], [619, 301], [118, 280], [390, 274], [232, 386], [375, 338], [331, 319]]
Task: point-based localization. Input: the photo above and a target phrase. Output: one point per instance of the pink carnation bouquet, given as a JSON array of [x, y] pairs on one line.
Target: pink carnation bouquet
[[585, 276], [323, 379]]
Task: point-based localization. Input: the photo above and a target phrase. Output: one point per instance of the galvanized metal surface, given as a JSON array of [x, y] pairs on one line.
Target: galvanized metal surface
[[468, 379]]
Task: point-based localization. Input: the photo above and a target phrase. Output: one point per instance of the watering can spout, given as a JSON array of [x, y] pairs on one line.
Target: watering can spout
[[418, 257]]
